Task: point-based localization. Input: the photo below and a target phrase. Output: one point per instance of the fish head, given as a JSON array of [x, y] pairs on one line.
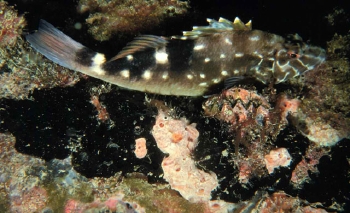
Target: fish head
[[295, 57]]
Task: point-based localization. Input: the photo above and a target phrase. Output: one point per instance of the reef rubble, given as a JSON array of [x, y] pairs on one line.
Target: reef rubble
[[107, 18], [178, 139]]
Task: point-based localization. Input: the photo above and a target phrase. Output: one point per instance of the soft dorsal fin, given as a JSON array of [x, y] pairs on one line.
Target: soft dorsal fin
[[219, 26], [141, 43]]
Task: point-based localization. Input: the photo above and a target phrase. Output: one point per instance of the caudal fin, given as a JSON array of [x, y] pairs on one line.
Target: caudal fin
[[63, 50]]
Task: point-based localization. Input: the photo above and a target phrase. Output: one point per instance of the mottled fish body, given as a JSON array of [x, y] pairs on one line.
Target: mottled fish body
[[187, 65]]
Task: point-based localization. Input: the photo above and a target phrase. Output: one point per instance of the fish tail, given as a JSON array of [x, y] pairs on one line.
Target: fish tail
[[63, 50]]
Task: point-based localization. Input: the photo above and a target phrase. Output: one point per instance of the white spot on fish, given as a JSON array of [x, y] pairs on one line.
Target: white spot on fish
[[310, 67], [161, 57], [202, 75], [183, 38], [224, 73], [165, 75], [216, 80], [222, 55], [206, 60], [199, 47], [147, 74], [129, 57], [228, 41], [190, 77], [238, 55], [254, 38], [97, 60], [125, 73], [203, 84]]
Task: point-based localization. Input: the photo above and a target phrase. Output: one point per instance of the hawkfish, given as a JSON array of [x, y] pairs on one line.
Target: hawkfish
[[187, 65]]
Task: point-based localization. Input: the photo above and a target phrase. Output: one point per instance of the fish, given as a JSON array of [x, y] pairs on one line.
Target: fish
[[186, 65]]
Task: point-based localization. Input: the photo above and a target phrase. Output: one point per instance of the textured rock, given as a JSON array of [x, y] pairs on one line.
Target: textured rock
[[178, 139]]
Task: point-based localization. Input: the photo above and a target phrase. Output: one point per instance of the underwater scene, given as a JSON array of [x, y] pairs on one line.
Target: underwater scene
[[113, 106]]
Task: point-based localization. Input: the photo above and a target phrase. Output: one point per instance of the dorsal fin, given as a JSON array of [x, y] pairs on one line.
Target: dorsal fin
[[141, 43], [219, 26], [239, 25]]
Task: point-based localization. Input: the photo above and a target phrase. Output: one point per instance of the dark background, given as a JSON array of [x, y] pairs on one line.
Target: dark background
[[28, 120]]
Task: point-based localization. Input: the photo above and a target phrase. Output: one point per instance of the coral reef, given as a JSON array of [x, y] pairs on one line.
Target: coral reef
[[113, 204], [11, 25], [281, 202], [250, 115], [21, 69], [110, 17], [276, 158], [29, 184], [255, 123], [102, 113], [323, 128], [19, 189], [308, 164], [323, 115], [140, 148], [151, 197], [103, 136], [178, 139], [251, 162], [276, 202]]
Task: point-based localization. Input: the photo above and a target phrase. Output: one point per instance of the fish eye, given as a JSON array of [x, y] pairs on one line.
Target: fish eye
[[293, 55]]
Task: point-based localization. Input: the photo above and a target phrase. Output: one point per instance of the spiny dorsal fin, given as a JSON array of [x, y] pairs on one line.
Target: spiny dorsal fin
[[239, 25], [141, 43], [219, 26]]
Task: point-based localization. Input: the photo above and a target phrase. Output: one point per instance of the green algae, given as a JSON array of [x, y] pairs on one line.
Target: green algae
[[156, 197], [58, 195]]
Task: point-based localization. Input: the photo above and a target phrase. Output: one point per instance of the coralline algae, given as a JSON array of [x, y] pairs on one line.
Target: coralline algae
[[179, 139]]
